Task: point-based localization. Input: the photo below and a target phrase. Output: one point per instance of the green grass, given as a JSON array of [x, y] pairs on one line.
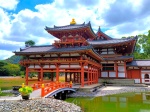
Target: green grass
[[6, 94], [8, 83]]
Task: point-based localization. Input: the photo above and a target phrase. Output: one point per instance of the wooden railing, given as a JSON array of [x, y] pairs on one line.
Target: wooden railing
[[51, 86]]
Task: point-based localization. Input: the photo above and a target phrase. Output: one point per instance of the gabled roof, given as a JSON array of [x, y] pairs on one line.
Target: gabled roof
[[139, 63], [67, 27], [86, 30], [100, 33]]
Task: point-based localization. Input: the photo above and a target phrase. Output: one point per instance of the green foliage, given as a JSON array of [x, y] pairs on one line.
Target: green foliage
[[29, 43], [14, 59], [142, 47], [26, 90], [12, 69], [3, 71], [22, 74]]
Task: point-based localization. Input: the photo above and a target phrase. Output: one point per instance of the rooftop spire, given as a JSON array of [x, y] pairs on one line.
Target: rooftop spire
[[73, 22], [99, 29]]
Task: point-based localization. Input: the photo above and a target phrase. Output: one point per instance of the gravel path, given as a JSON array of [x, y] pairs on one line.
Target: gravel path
[[38, 105]]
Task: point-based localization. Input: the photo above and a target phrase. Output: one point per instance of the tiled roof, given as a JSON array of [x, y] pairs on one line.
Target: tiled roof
[[140, 63], [113, 41], [118, 58], [50, 48], [68, 27], [100, 31]]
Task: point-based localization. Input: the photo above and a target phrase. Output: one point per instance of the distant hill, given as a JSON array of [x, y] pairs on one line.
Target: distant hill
[[14, 59]]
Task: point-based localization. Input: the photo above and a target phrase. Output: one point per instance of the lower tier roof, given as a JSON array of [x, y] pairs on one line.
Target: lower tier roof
[[139, 63]]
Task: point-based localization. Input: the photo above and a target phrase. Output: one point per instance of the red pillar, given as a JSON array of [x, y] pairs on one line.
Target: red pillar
[[52, 75], [125, 70], [27, 73], [65, 76], [82, 75], [91, 75], [88, 77], [57, 72], [41, 75], [116, 67], [74, 76], [38, 76], [70, 76]]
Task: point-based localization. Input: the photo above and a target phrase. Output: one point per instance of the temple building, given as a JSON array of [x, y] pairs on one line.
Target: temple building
[[85, 56]]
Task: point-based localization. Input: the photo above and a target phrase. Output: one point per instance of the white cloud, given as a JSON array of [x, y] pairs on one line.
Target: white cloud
[[9, 4], [5, 54]]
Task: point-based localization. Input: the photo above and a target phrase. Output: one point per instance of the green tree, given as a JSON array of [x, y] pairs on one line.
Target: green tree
[[3, 71], [12, 69], [144, 41], [29, 43]]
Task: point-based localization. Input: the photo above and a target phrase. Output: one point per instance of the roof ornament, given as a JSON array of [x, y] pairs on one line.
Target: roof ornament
[[73, 22]]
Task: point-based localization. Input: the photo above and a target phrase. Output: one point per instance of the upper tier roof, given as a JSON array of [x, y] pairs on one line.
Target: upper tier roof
[[68, 27], [84, 29]]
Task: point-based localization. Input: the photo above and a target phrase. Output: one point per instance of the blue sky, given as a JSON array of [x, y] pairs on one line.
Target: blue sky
[[22, 20]]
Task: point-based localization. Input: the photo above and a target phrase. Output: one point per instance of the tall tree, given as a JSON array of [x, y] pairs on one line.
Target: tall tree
[[144, 41]]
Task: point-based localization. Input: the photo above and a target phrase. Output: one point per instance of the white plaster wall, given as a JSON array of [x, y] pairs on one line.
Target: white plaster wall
[[85, 66], [120, 68], [112, 74], [37, 66], [64, 66], [74, 66], [64, 55], [38, 55], [121, 74], [52, 66], [31, 66], [46, 66], [104, 74]]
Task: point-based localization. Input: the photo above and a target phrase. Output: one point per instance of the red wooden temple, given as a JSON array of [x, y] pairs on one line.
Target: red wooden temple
[[84, 56]]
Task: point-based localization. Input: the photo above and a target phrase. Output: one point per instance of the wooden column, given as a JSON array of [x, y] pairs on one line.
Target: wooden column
[[88, 76], [27, 73], [92, 75], [82, 75], [70, 76], [140, 75], [52, 76], [97, 76], [125, 70], [57, 72], [41, 74], [74, 76], [116, 68], [65, 76]]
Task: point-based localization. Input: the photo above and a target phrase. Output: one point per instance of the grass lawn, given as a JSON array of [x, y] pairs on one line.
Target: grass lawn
[[9, 82]]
